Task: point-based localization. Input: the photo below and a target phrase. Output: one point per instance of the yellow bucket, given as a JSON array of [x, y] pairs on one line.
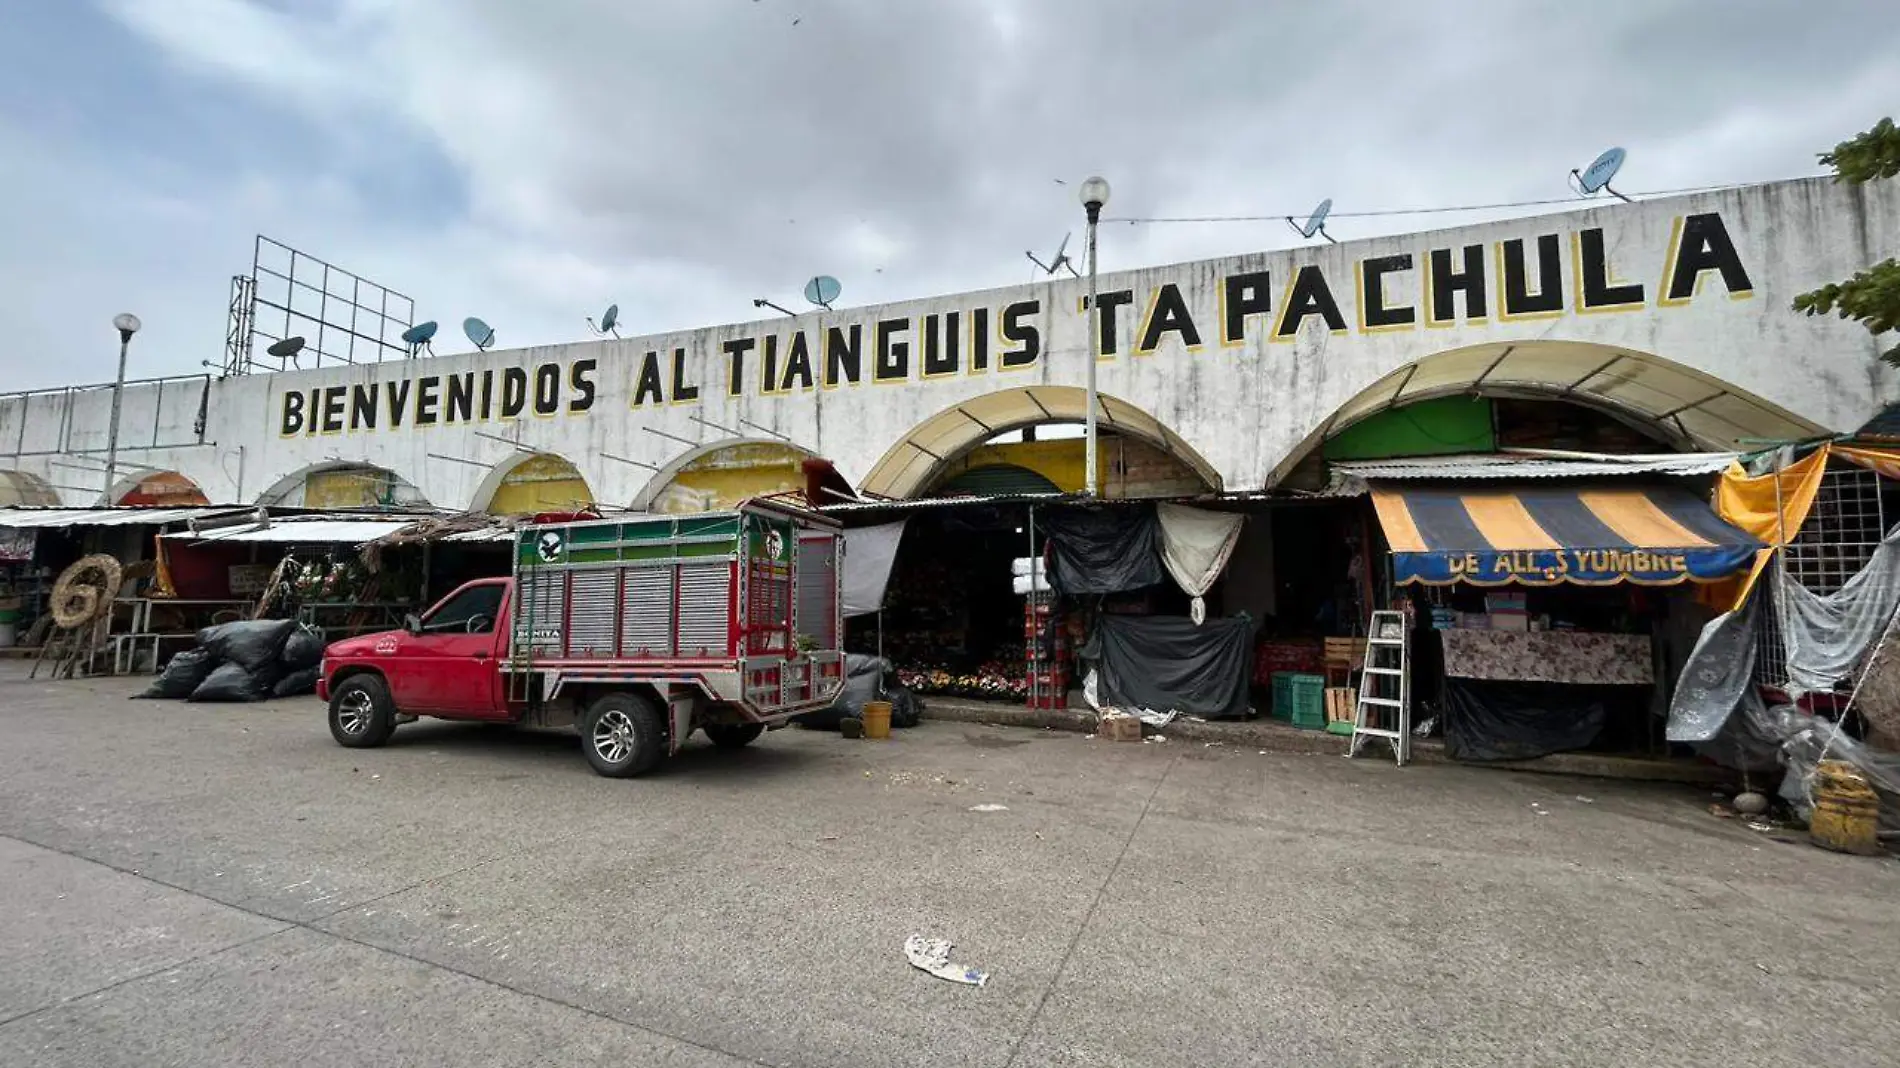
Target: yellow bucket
[[877, 719], [1846, 810]]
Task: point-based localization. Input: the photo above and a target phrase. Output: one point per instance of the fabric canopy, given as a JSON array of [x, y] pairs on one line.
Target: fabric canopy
[[1542, 536], [1195, 544], [869, 553]]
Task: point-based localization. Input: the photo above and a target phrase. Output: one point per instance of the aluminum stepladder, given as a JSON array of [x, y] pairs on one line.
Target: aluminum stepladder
[[1386, 672]]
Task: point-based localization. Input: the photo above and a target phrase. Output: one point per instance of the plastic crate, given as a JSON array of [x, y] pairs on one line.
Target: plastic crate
[[1300, 699]]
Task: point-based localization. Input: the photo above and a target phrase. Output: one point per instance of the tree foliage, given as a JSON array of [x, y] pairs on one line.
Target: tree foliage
[[1872, 296]]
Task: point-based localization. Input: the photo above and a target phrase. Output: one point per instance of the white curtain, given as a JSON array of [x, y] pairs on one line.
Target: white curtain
[[1195, 545]]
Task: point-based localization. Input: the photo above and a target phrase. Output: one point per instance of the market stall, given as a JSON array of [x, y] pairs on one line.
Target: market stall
[[1551, 605]]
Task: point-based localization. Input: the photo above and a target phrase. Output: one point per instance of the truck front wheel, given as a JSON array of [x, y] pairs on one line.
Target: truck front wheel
[[622, 735], [361, 714], [734, 735]]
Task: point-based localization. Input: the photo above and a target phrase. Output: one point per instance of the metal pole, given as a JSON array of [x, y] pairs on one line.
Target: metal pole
[[1095, 348], [112, 433]]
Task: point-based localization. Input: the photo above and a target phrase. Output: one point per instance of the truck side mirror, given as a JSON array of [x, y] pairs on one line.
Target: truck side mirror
[[412, 623]]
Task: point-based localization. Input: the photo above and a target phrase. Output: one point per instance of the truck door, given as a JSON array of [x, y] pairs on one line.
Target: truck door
[[448, 666]]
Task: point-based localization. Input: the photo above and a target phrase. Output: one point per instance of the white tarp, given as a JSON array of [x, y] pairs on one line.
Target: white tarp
[[1195, 545], [868, 555], [1828, 635]]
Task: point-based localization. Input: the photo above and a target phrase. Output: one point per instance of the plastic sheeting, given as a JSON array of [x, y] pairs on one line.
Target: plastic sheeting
[[1519, 720], [1828, 635], [1195, 544], [1168, 664], [869, 553], [1103, 550], [1718, 678], [866, 678]]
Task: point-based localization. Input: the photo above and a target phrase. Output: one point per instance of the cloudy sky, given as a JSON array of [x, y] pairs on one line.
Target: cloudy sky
[[530, 162]]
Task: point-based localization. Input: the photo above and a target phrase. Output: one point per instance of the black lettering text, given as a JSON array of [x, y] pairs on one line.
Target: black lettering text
[[736, 350], [797, 364], [980, 339], [892, 356], [488, 394], [397, 394], [547, 389], [514, 391], [1705, 246], [333, 400], [844, 351], [461, 401], [1593, 270], [1024, 335], [682, 389], [1243, 295], [363, 407], [1168, 313], [1308, 295], [580, 376], [1374, 312], [1107, 303], [293, 415], [1518, 299], [428, 399], [1447, 282], [648, 389]]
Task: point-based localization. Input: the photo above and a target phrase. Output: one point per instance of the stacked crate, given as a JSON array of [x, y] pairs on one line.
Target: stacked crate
[[1047, 649]]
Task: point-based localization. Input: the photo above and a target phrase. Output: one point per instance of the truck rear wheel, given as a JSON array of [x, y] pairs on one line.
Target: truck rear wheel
[[361, 714], [734, 735], [622, 735]]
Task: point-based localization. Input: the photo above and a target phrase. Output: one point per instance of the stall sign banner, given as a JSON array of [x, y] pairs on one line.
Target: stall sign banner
[[1542, 536], [16, 545], [249, 579]]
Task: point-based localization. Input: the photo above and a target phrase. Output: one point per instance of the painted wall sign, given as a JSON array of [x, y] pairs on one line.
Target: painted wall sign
[[1540, 275]]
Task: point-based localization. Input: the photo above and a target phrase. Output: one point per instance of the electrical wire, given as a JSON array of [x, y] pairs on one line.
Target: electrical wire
[[1388, 212]]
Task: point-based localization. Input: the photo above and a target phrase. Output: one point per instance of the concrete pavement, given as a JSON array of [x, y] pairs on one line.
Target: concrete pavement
[[212, 885]]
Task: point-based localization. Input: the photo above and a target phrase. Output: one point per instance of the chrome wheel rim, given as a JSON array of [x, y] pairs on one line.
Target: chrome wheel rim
[[354, 711], [613, 736]]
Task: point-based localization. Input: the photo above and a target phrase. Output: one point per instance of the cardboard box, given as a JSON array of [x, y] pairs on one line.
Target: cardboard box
[[1118, 728], [1512, 621]]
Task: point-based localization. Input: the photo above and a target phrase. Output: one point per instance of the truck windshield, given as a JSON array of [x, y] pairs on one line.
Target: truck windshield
[[471, 611]]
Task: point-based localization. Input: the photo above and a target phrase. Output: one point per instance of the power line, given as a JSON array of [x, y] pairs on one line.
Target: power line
[[1386, 212]]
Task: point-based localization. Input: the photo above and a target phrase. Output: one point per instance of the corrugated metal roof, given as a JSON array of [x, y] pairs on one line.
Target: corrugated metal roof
[[327, 530], [918, 503], [40, 518], [1487, 466]]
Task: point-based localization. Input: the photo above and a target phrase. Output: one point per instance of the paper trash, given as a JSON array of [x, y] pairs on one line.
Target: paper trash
[[933, 956]]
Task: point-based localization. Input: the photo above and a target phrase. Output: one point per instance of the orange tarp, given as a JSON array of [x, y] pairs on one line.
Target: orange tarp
[[1772, 507]]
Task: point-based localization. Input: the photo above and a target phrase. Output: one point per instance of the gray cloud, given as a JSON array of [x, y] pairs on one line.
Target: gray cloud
[[685, 157]]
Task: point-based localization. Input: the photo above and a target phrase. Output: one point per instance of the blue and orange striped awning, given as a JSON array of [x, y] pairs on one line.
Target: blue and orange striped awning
[[1545, 535]]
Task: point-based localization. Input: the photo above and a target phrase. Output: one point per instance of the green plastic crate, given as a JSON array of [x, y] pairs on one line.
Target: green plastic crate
[[1300, 699]]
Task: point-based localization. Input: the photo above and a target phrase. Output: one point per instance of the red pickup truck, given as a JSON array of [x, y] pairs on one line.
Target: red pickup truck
[[637, 630]]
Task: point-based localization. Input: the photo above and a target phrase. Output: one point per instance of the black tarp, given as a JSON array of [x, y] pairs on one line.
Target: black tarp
[[865, 679], [1491, 720], [1168, 664], [1102, 550]]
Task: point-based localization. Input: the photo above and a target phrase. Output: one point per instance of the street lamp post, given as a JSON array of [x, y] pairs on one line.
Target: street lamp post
[[127, 325], [1094, 194]]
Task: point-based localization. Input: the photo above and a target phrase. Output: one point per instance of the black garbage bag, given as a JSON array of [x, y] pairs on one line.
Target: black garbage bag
[[250, 643], [230, 682], [907, 709], [297, 683], [865, 678], [182, 675], [303, 649]]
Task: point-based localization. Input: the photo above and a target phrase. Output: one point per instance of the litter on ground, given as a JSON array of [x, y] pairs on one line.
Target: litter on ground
[[933, 955]]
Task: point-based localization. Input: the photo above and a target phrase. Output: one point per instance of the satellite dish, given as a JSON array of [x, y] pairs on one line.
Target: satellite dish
[[1056, 262], [610, 318], [480, 333], [822, 290], [1596, 177], [418, 335], [1316, 222], [287, 348]]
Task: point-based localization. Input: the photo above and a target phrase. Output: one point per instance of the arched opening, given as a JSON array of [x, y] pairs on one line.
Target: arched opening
[[167, 489], [1663, 403], [346, 486], [718, 476], [22, 489], [534, 483], [1137, 455]]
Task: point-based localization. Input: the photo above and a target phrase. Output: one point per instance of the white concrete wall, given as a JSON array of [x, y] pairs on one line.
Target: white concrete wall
[[1244, 407]]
